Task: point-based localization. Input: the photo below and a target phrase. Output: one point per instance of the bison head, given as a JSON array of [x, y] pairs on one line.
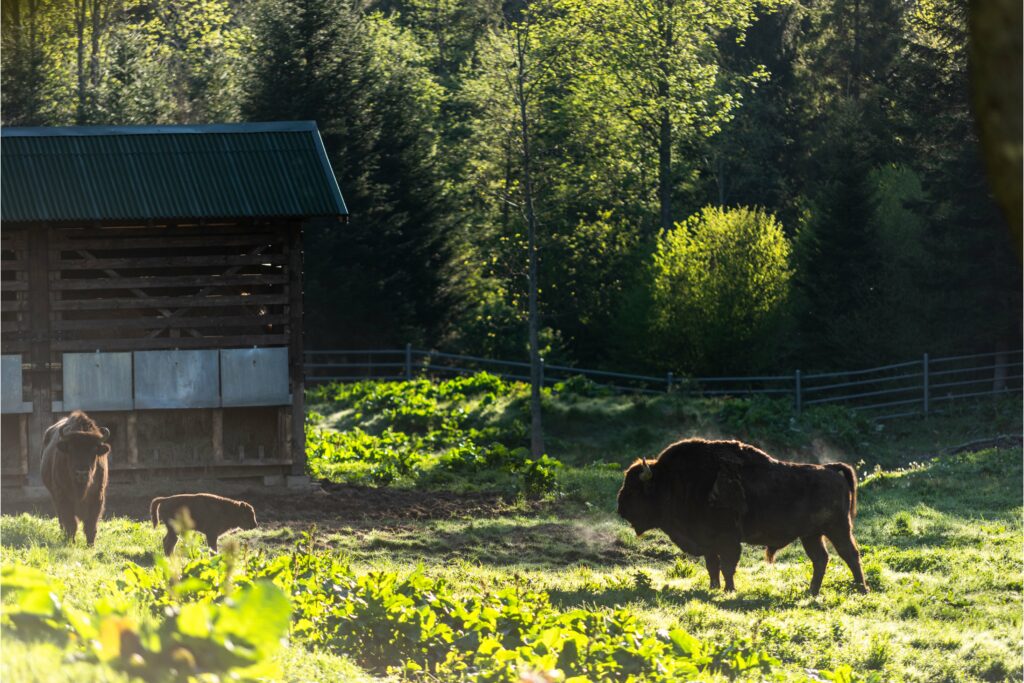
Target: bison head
[[247, 516], [637, 503], [82, 450]]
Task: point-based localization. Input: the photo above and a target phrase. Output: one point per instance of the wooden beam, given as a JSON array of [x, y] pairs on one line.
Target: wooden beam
[[153, 343], [295, 352], [189, 300], [39, 349], [138, 262], [172, 281], [198, 240], [151, 322]]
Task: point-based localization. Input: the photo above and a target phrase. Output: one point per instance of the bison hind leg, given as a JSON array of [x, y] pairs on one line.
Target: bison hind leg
[[769, 554], [847, 549]]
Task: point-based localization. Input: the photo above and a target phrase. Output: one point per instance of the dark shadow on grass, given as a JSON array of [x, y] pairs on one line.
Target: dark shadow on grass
[[549, 544], [619, 595]]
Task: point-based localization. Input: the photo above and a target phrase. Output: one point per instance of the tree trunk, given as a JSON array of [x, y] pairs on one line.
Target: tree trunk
[[665, 170], [536, 426], [80, 8]]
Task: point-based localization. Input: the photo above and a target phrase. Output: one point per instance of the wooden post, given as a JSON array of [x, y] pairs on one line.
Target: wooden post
[[924, 375], [218, 435], [668, 382], [408, 362], [39, 349], [132, 438], [799, 397], [295, 352], [23, 442]]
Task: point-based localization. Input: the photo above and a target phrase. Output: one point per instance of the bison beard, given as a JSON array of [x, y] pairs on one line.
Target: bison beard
[[212, 515], [709, 496], [74, 471]]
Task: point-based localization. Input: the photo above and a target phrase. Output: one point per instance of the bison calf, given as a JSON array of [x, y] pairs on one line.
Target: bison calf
[[709, 496], [211, 515], [74, 471]]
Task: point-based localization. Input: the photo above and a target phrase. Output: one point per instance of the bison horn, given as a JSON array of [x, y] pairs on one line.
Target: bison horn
[[646, 474], [105, 432]]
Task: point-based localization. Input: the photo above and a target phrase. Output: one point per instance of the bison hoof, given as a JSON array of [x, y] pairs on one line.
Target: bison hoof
[[863, 588]]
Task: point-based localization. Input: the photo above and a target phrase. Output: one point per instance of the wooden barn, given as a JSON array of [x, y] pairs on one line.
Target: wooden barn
[[152, 276]]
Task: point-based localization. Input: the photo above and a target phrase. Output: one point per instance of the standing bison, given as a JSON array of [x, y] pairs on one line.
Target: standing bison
[[75, 472], [709, 496]]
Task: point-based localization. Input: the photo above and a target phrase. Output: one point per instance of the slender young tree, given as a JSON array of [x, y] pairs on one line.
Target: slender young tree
[[655, 62]]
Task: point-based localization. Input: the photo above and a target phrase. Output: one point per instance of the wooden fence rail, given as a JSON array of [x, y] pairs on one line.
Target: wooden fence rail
[[914, 387]]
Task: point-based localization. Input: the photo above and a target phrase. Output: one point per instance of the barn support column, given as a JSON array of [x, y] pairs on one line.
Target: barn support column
[[295, 352], [39, 349]]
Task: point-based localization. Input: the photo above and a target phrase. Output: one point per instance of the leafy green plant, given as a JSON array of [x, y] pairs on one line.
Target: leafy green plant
[[236, 636]]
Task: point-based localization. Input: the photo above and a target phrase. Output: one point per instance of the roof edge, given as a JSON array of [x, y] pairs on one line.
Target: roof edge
[[255, 127]]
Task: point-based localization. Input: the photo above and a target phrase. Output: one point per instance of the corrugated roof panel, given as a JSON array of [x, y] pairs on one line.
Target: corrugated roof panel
[[166, 173]]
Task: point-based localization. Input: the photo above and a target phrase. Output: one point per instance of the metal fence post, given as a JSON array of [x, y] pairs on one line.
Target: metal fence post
[[668, 382], [799, 398], [408, 362], [541, 372], [924, 375]]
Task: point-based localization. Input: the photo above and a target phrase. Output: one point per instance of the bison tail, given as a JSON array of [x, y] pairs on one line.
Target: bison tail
[[851, 479], [154, 511]]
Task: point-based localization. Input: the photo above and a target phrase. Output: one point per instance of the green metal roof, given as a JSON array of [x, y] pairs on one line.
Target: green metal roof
[[123, 173]]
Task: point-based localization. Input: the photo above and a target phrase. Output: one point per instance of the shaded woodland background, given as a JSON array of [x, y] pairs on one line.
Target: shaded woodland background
[[720, 186]]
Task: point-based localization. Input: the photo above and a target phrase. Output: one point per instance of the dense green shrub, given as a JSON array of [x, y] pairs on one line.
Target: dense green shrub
[[720, 286]]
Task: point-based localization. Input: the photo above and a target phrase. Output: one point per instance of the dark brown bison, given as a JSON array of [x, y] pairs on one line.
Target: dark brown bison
[[74, 468], [211, 515], [709, 496]]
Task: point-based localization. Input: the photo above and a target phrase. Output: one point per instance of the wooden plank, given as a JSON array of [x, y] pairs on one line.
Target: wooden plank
[[165, 262], [14, 285], [155, 343], [129, 243], [13, 345], [187, 301], [171, 281], [191, 230], [14, 305], [151, 322]]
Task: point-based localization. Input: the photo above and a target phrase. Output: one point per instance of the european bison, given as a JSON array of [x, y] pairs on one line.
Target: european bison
[[211, 515], [74, 468], [709, 496]]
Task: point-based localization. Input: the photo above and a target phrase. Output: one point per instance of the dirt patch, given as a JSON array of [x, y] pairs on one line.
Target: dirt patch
[[327, 505]]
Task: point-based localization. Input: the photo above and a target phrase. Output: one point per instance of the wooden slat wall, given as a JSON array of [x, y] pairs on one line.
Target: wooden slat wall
[[199, 286], [124, 288], [14, 319]]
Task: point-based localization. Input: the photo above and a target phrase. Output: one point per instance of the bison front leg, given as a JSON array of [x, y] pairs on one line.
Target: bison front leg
[[68, 522], [90, 522], [814, 546], [170, 540], [730, 558], [714, 569]]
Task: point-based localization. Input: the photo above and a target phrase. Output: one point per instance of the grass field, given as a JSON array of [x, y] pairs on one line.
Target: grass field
[[941, 539]]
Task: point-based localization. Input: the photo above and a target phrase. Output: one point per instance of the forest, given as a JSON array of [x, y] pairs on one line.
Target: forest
[[711, 186]]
